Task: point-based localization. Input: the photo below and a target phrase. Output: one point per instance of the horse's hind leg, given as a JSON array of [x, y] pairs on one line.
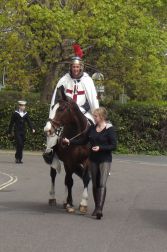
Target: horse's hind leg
[[52, 200], [84, 175], [69, 184]]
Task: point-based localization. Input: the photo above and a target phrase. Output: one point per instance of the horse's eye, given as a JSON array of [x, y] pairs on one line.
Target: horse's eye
[[60, 109], [63, 108]]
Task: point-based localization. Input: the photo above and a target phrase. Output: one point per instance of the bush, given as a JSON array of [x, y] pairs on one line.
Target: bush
[[141, 127], [38, 114], [13, 96]]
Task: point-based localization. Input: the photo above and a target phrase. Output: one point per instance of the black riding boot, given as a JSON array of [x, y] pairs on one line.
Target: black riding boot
[[101, 199], [95, 200]]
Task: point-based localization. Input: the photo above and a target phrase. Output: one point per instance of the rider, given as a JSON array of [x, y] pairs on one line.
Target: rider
[[79, 86]]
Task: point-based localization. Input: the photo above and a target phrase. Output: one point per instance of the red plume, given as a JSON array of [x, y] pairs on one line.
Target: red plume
[[77, 50]]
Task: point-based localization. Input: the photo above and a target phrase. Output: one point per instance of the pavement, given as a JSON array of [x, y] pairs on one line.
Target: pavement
[[135, 212]]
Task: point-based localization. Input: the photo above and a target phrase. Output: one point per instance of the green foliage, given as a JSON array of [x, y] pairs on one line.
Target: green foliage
[[38, 114], [141, 127], [128, 40], [13, 96]]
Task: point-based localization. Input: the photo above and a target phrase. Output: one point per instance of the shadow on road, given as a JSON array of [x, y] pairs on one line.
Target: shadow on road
[[36, 208], [155, 218]]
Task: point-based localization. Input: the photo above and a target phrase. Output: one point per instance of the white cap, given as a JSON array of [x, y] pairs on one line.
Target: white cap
[[22, 102]]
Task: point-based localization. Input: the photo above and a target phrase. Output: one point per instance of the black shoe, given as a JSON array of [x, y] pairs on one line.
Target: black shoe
[[20, 162], [99, 214], [17, 161]]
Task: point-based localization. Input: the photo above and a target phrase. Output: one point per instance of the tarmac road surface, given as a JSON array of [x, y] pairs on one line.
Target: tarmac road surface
[[135, 213]]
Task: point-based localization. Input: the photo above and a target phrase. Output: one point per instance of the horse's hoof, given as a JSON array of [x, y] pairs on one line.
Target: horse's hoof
[[70, 209], [52, 202], [83, 209]]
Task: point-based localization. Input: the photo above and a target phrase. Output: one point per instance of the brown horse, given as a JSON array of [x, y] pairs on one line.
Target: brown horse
[[74, 157]]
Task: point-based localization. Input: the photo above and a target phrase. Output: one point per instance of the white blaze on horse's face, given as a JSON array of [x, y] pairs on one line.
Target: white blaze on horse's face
[[48, 125]]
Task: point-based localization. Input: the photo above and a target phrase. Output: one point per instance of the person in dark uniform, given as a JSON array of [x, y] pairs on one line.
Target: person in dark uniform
[[18, 120], [102, 139]]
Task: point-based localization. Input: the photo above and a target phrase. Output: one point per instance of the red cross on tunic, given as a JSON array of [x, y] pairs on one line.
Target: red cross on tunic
[[75, 93]]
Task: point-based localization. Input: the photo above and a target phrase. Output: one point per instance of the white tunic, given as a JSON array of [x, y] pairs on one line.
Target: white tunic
[[80, 91]]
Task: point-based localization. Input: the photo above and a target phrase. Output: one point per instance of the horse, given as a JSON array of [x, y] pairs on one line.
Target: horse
[[75, 158]]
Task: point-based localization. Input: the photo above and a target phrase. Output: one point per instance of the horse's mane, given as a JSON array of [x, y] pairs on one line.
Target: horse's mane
[[80, 118], [74, 105], [65, 102]]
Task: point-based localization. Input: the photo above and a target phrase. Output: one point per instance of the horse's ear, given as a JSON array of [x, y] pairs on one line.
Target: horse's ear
[[64, 97], [60, 94]]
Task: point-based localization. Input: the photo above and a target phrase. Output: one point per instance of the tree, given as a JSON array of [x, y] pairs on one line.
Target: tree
[[128, 41], [133, 43]]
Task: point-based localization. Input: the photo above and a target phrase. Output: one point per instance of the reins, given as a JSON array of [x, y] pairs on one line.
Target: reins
[[58, 130], [84, 131]]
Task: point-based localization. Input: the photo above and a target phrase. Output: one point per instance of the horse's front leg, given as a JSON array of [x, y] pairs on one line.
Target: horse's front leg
[[69, 185], [52, 199], [83, 173], [83, 207]]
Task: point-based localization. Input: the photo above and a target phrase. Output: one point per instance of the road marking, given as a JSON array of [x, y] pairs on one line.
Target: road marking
[[11, 181], [140, 162]]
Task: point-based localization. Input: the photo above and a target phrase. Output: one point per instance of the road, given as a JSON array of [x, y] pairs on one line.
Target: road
[[135, 213]]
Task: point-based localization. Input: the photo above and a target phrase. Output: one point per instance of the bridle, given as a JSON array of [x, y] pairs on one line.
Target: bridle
[[58, 129]]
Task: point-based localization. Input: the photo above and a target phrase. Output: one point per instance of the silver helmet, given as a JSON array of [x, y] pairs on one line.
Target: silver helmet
[[77, 59]]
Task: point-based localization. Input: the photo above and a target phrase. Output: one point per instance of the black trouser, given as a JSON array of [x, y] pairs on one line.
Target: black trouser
[[20, 138], [100, 173]]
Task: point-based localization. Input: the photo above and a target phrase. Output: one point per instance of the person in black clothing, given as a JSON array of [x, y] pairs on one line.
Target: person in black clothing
[[102, 139], [18, 120]]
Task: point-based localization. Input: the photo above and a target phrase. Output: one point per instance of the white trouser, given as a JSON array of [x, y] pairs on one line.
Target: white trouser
[[90, 117], [51, 142]]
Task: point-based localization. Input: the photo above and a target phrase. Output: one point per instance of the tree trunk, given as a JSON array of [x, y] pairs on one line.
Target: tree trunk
[[48, 85]]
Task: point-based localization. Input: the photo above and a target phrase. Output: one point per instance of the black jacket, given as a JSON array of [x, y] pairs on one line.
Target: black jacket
[[19, 122], [106, 140]]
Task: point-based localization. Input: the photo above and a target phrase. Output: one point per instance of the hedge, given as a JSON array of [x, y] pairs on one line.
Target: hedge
[[13, 96], [140, 127], [38, 114]]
